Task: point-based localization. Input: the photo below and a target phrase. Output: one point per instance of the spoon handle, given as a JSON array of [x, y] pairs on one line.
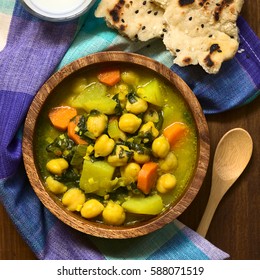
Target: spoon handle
[[208, 215]]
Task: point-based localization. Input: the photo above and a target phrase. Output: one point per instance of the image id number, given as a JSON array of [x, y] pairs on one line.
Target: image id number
[[177, 270]]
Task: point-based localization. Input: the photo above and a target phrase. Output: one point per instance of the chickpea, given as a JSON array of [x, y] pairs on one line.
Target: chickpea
[[113, 214], [104, 146], [97, 123], [129, 123], [166, 182], [160, 147], [55, 186], [130, 172], [141, 158], [138, 106], [149, 128], [169, 163], [91, 209], [121, 157], [73, 199], [57, 166]]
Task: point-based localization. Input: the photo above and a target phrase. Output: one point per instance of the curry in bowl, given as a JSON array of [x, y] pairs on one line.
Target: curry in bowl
[[117, 145]]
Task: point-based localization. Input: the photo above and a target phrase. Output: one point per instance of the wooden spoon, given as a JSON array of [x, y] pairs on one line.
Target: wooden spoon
[[232, 155]]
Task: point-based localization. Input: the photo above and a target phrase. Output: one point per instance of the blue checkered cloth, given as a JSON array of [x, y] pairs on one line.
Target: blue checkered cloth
[[30, 51]]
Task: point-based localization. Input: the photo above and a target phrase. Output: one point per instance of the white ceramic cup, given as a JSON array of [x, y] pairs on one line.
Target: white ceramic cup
[[57, 10]]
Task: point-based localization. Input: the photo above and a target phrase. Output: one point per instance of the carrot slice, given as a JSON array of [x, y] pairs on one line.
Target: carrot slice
[[147, 177], [109, 77], [72, 132], [175, 132], [61, 116]]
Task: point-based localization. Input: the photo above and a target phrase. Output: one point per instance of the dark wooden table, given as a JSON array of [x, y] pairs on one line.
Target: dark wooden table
[[235, 227]]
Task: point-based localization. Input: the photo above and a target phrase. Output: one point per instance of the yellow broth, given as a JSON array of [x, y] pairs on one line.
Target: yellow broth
[[170, 104]]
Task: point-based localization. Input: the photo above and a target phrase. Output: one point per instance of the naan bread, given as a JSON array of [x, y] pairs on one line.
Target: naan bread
[[137, 19], [201, 31]]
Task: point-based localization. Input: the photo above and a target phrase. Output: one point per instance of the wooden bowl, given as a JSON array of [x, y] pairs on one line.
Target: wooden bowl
[[98, 229]]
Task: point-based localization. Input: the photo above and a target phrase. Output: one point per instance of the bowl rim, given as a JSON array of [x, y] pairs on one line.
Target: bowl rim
[[74, 220]]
